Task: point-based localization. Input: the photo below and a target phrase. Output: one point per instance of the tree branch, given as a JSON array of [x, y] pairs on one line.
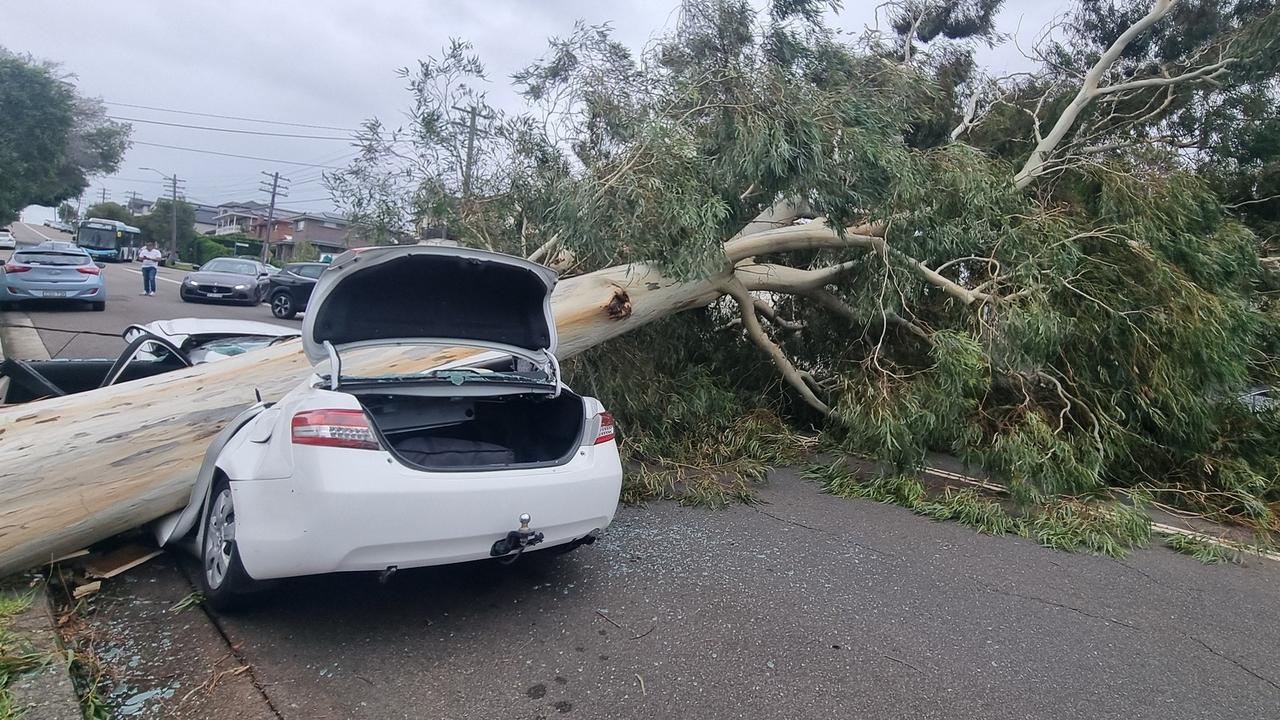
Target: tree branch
[[966, 122], [544, 250], [751, 323], [1206, 72], [829, 301], [786, 279], [816, 235], [1088, 91], [771, 314]]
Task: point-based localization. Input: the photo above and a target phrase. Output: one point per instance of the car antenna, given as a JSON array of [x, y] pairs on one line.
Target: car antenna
[[257, 394]]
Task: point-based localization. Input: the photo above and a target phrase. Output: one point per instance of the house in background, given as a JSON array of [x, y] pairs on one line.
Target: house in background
[[206, 218], [328, 233], [237, 217], [139, 207]]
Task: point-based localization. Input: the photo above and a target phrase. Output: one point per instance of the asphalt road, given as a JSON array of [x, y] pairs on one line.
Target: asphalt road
[[805, 606], [63, 326]]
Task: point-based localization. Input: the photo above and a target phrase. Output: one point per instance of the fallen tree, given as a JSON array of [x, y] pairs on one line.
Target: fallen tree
[[1081, 323], [80, 468]]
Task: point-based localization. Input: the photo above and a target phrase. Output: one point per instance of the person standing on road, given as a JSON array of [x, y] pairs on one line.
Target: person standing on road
[[150, 258]]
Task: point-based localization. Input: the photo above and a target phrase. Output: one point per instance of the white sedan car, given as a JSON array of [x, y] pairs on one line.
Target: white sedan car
[[361, 468], [6, 239]]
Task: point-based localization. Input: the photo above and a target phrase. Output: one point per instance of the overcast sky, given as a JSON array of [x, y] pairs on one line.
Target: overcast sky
[[318, 62]]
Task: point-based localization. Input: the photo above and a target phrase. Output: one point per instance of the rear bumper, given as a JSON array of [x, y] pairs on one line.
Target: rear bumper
[[31, 292], [344, 510]]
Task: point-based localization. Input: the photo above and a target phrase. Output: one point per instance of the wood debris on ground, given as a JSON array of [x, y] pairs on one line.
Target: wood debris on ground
[[120, 560]]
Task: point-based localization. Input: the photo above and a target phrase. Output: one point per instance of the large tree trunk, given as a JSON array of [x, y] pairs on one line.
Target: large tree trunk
[[80, 468]]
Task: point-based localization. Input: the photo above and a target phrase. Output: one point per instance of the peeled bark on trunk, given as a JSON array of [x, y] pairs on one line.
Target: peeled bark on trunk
[[81, 468]]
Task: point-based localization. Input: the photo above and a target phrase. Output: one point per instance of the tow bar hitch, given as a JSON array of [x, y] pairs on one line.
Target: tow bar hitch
[[516, 541]]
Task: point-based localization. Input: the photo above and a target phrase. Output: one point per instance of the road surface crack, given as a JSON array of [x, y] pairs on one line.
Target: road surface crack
[[1235, 662], [1152, 580], [1051, 603], [843, 538], [234, 650]]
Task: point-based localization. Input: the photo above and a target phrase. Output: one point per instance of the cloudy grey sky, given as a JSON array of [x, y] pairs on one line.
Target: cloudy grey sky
[[317, 62]]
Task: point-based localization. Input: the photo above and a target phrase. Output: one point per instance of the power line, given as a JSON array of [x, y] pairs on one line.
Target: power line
[[229, 130], [234, 155], [139, 180], [227, 117]]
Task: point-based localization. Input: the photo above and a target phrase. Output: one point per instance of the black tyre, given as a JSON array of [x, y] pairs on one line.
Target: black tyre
[[99, 306], [282, 306], [223, 579]]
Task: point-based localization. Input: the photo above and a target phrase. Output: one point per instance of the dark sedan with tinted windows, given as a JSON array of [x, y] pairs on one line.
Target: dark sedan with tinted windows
[[291, 288], [227, 279]]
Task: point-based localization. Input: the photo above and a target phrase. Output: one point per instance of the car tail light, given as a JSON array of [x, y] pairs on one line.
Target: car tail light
[[11, 268], [88, 269], [604, 428], [334, 428]]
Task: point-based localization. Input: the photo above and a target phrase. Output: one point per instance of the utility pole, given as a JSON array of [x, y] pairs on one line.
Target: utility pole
[[276, 190], [173, 213], [104, 195], [173, 181], [473, 112]]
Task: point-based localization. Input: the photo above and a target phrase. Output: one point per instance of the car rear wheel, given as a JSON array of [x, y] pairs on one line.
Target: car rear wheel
[[282, 306], [222, 576]]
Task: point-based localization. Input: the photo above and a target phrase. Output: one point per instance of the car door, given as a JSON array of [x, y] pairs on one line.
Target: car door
[[304, 283], [264, 280]]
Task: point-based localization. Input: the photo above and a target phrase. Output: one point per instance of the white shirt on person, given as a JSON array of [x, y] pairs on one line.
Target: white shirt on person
[[149, 258]]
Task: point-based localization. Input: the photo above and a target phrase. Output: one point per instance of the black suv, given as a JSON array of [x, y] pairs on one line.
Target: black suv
[[290, 288]]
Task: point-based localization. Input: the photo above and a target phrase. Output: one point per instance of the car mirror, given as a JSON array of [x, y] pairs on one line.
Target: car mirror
[[195, 268], [101, 266]]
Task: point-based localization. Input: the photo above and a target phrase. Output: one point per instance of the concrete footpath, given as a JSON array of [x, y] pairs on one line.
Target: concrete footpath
[[47, 693]]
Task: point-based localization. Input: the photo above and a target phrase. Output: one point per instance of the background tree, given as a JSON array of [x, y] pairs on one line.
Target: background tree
[[1048, 275], [304, 251], [110, 211], [52, 139], [67, 213], [156, 227]]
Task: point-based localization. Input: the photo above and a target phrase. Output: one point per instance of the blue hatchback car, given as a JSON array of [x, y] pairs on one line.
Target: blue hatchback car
[[52, 271]]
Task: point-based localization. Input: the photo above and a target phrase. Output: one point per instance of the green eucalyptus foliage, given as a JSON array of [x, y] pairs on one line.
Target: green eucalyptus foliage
[[1099, 325], [686, 433], [1209, 553]]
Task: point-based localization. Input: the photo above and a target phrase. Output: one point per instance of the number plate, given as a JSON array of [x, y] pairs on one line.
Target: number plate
[[217, 295], [53, 293]]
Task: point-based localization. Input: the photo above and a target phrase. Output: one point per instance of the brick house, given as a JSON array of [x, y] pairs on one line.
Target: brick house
[[328, 233]]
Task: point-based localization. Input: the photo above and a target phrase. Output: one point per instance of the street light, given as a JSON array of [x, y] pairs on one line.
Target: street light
[[173, 207]]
